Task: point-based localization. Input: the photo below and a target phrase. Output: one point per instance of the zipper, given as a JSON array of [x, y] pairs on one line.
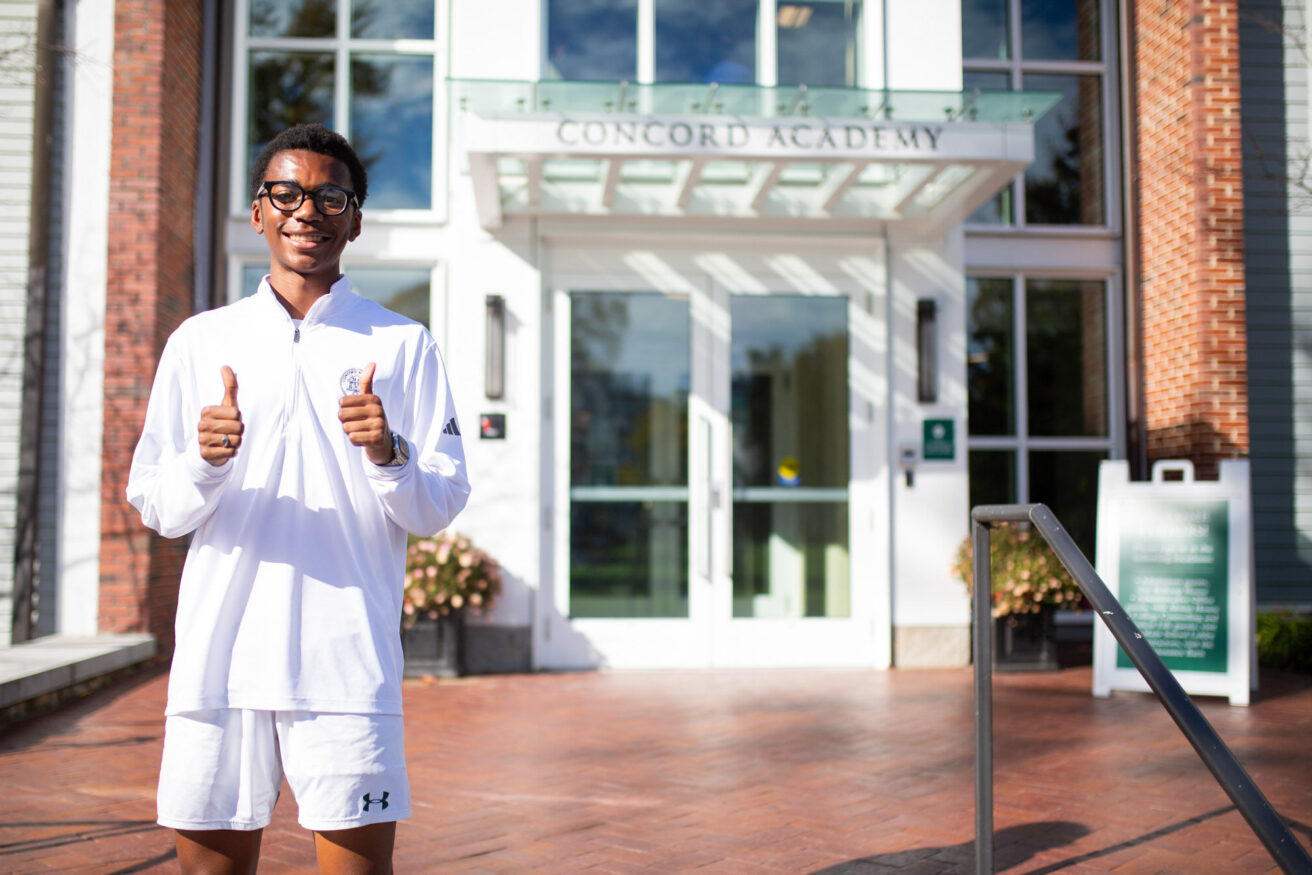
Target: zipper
[[296, 377]]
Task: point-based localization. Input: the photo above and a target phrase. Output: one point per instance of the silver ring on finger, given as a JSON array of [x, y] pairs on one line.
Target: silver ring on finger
[[227, 444]]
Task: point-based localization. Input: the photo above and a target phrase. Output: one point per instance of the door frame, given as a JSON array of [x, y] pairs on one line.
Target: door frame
[[710, 635]]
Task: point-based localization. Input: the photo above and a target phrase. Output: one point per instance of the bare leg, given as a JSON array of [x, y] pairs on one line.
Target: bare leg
[[358, 850], [206, 851]]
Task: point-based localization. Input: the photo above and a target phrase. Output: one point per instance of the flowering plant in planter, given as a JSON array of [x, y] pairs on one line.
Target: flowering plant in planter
[[446, 574], [1026, 574]]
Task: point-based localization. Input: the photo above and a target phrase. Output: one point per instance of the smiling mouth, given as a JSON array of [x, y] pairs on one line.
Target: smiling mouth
[[305, 240]]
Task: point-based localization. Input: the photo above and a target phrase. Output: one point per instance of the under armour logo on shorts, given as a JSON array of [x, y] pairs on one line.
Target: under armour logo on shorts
[[368, 801]]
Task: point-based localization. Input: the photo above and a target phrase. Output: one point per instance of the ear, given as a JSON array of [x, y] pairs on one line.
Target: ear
[[257, 220], [356, 219]]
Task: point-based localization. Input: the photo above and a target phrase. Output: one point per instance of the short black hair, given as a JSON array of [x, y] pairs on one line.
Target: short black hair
[[312, 138]]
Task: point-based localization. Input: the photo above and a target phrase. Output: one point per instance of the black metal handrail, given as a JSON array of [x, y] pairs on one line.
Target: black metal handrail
[[1261, 816]]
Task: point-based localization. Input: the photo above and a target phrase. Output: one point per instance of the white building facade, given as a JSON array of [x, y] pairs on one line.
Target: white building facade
[[745, 303], [703, 278]]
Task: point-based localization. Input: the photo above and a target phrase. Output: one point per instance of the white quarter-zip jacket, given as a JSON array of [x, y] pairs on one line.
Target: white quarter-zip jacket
[[291, 593]]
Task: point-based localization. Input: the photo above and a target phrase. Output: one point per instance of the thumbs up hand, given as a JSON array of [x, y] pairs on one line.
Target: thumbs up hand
[[221, 427], [365, 421]]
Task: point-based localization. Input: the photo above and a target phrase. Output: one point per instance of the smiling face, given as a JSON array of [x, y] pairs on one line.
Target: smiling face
[[305, 246]]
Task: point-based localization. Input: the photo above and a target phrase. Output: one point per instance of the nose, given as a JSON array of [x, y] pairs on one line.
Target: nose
[[307, 209]]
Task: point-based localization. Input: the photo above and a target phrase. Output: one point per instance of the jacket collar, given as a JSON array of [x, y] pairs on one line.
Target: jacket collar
[[340, 298]]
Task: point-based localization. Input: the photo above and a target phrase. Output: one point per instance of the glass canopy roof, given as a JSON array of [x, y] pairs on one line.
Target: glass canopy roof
[[740, 151]]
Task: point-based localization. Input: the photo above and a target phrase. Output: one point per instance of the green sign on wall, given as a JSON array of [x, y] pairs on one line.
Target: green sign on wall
[[1174, 566], [939, 440]]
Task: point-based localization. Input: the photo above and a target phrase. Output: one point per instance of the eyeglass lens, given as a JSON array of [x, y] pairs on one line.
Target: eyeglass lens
[[330, 199]]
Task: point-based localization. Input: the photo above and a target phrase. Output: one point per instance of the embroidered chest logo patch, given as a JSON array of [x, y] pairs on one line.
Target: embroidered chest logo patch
[[350, 381]]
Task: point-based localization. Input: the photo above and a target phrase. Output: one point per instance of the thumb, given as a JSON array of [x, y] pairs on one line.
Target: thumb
[[229, 387], [367, 379]]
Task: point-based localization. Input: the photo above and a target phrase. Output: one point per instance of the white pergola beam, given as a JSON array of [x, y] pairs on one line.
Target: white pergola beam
[[767, 176], [833, 189], [692, 175]]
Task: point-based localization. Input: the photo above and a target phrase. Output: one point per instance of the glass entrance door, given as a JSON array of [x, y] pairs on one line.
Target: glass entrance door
[[791, 465], [709, 470]]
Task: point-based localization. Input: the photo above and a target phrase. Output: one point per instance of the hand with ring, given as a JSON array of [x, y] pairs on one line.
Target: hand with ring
[[221, 426]]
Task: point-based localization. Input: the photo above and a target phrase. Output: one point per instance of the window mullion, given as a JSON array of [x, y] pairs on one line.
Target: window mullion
[[646, 41], [342, 74], [767, 44], [1019, 328]]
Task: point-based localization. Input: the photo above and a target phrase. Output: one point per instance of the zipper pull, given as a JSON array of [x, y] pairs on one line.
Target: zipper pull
[[296, 338]]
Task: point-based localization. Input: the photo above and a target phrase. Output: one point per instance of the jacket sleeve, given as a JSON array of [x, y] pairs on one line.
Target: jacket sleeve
[[170, 482], [424, 495]]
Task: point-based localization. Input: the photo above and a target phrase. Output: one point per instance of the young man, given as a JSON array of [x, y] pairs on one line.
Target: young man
[[298, 494]]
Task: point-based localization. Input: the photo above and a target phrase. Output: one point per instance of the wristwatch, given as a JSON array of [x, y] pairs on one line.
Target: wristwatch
[[400, 452]]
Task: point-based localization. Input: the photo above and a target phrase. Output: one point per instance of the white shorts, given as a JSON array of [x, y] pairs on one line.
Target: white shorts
[[222, 769]]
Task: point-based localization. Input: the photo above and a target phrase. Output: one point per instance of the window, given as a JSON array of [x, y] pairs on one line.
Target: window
[[817, 43], [695, 41], [1046, 45], [362, 67], [1039, 405], [404, 290]]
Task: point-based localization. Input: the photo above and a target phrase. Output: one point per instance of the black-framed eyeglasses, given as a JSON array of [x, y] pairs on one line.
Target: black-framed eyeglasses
[[287, 196]]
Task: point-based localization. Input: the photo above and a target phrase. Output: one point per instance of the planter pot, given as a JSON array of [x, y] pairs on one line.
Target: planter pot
[[435, 647], [1025, 642]]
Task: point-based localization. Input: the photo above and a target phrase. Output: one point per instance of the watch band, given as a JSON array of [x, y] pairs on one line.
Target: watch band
[[400, 452]]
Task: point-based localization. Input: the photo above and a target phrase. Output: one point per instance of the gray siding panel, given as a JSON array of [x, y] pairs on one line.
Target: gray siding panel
[[17, 39], [1278, 266]]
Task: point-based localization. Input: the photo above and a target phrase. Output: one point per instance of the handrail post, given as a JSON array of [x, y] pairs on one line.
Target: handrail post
[[982, 647], [1262, 818]]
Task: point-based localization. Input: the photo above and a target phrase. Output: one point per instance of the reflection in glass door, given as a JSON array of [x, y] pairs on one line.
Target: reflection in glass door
[[708, 480], [791, 465], [628, 548]]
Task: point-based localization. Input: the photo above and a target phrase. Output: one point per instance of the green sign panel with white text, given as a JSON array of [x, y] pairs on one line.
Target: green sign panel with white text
[[939, 440], [1174, 567]]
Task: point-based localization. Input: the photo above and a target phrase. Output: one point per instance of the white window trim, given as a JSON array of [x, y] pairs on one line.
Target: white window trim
[[342, 45], [1022, 443], [1017, 68]]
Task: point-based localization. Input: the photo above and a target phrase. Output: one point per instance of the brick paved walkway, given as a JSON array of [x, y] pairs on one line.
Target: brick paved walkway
[[772, 772]]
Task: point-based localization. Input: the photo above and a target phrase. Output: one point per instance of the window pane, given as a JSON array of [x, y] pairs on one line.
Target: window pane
[[1067, 482], [628, 559], [1066, 30], [392, 128], [817, 42], [990, 356], [592, 39], [998, 210], [789, 386], [251, 274], [629, 403], [790, 559], [392, 19], [697, 41], [287, 88], [984, 29], [1064, 185], [992, 477], [1066, 344], [404, 290], [293, 17]]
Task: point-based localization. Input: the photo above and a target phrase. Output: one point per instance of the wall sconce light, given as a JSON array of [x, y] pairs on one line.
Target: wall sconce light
[[926, 351], [494, 348]]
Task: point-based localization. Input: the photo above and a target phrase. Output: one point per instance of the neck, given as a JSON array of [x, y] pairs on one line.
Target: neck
[[297, 293]]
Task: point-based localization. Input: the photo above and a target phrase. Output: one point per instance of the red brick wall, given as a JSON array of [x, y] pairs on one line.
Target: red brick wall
[[151, 224], [1191, 226]]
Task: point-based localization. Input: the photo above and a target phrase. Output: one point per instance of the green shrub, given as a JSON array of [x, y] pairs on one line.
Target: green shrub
[[1284, 640]]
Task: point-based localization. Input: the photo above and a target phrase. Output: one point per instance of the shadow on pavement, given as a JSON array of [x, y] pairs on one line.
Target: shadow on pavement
[[1015, 843]]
